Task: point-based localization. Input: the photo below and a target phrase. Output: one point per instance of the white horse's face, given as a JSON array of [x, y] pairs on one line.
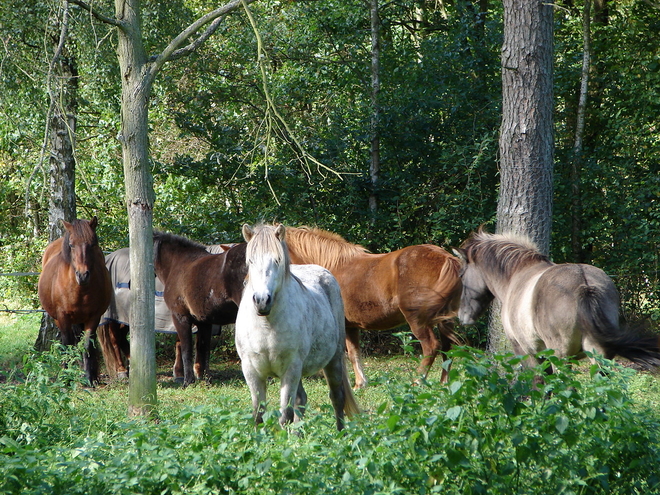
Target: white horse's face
[[266, 276], [475, 296]]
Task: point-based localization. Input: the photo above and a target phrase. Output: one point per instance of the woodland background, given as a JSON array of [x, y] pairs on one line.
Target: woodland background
[[220, 159]]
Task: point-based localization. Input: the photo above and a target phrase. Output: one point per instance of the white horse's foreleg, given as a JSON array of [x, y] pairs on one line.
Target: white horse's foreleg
[[257, 386], [291, 382]]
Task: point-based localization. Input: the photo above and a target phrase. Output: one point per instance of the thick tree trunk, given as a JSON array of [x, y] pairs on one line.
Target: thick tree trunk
[[62, 163], [136, 87], [526, 137]]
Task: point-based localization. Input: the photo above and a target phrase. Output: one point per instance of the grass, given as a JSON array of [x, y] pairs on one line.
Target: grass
[[18, 333]]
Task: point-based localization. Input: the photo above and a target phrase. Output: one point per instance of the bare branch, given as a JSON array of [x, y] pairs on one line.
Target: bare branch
[[97, 14], [187, 50], [171, 51]]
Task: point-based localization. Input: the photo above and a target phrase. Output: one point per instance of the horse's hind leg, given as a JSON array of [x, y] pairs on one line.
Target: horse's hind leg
[[203, 352], [301, 403], [430, 347], [353, 349], [177, 369], [334, 375]]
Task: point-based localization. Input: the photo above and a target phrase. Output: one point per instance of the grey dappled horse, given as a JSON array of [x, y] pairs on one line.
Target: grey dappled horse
[[290, 324]]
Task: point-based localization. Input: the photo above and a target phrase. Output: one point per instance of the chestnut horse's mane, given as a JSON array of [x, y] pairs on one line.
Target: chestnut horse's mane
[[314, 245]]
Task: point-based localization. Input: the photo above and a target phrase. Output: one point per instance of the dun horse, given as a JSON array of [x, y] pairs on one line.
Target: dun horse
[[74, 287], [290, 324], [418, 285], [201, 289], [570, 308]]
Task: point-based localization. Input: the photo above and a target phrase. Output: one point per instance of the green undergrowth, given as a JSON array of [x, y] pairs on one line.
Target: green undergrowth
[[489, 430]]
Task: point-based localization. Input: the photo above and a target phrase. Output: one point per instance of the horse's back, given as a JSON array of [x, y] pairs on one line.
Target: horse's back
[[320, 282]]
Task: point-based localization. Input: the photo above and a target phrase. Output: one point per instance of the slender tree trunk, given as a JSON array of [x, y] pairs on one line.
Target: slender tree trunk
[[374, 169], [136, 87], [576, 165], [63, 89], [526, 137]]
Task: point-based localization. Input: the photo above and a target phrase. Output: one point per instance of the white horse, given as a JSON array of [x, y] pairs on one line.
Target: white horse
[[290, 324]]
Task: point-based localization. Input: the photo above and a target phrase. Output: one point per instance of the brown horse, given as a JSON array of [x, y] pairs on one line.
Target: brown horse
[[418, 285], [75, 287], [201, 289], [115, 323]]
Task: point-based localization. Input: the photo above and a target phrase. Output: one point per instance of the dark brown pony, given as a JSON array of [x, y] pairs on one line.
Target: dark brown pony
[[418, 285], [201, 289], [75, 287]]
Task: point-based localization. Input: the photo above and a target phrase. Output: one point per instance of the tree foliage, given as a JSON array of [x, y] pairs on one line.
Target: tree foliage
[[214, 141]]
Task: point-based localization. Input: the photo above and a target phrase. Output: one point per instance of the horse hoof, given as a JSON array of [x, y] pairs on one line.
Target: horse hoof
[[179, 379], [122, 375]]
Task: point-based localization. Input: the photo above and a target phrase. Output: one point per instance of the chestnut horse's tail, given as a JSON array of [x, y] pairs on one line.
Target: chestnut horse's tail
[[633, 342], [351, 407], [439, 304], [105, 338]]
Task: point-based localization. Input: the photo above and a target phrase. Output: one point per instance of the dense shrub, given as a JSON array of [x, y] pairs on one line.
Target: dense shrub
[[489, 431]]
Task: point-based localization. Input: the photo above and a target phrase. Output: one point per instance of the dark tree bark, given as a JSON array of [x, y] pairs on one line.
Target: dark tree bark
[[526, 137]]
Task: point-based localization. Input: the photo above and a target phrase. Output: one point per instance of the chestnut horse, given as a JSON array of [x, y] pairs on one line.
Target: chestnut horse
[[201, 289], [418, 285], [75, 287]]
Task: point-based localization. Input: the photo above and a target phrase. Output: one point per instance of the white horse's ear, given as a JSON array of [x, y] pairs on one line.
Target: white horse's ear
[[459, 253], [280, 232], [247, 232]]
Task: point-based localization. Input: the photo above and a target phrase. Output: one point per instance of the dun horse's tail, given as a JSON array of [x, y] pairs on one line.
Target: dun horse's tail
[[351, 407], [633, 342]]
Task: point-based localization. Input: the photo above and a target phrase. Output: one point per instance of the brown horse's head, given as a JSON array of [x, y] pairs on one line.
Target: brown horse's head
[[79, 246]]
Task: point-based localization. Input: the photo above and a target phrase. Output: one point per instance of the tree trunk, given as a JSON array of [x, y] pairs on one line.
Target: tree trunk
[[374, 169], [62, 163], [526, 137], [136, 87]]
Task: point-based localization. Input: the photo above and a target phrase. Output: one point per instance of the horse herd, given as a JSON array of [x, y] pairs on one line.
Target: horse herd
[[300, 296]]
